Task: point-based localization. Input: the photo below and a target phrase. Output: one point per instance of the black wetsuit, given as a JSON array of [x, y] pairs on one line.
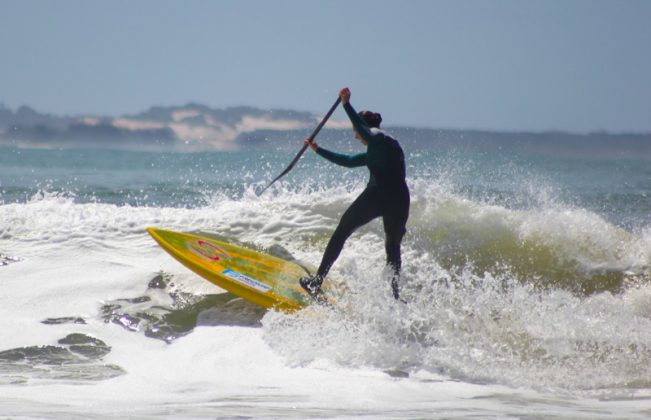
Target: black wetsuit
[[386, 195]]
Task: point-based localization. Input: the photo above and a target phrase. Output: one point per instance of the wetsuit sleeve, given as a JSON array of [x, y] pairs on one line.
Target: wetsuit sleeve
[[343, 160], [359, 125]]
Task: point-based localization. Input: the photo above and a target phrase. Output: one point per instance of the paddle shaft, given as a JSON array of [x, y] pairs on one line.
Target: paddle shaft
[[300, 152]]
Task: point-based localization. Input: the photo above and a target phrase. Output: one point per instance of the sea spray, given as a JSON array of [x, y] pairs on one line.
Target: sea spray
[[525, 288], [480, 330]]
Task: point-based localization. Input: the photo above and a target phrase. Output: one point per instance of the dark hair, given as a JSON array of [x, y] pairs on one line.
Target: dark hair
[[372, 119]]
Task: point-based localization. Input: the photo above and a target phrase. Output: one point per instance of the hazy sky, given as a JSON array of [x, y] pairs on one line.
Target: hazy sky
[[512, 65]]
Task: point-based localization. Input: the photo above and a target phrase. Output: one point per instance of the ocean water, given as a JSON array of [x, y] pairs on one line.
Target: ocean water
[[527, 280]]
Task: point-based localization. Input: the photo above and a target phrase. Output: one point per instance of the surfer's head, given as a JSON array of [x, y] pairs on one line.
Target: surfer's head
[[372, 119]]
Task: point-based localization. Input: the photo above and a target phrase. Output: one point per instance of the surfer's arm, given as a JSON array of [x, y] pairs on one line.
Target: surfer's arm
[[343, 160], [359, 125]]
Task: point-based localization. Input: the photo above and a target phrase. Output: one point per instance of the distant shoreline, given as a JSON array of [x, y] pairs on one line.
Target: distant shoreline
[[196, 128]]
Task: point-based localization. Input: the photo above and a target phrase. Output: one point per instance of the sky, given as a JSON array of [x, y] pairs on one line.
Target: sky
[[578, 66]]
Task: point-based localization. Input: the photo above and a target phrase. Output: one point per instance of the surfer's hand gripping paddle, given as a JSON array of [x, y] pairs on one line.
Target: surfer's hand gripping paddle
[[300, 153]]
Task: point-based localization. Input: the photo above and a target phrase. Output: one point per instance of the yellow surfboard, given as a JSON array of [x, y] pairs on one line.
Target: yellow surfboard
[[260, 278]]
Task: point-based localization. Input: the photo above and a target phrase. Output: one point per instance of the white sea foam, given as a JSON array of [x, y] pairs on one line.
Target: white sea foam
[[467, 337]]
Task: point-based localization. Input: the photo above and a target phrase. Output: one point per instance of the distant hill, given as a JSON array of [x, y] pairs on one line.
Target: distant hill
[[192, 127], [196, 127]]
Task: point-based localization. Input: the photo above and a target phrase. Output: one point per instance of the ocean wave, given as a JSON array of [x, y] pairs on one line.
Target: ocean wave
[[548, 244], [544, 295], [477, 329], [551, 246]]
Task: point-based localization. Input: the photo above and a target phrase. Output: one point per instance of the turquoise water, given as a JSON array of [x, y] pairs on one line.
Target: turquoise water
[[527, 278], [618, 190]]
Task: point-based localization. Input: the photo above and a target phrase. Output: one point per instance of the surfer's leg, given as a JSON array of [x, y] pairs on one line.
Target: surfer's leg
[[394, 259], [364, 209], [395, 222]]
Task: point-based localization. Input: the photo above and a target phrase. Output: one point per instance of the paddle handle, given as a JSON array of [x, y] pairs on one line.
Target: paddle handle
[[300, 152], [325, 119]]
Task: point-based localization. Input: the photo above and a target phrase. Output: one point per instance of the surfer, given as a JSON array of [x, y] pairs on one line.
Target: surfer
[[386, 195]]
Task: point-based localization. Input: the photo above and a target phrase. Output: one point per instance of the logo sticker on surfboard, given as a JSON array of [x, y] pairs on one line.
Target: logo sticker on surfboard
[[246, 280], [207, 250]]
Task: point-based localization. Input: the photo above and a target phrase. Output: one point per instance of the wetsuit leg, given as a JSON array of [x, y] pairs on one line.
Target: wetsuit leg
[[395, 220], [365, 208]]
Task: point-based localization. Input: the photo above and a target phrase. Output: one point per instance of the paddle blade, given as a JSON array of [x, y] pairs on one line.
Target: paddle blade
[[289, 168]]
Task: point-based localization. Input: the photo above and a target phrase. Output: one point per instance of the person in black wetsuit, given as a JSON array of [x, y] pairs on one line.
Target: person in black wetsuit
[[386, 194]]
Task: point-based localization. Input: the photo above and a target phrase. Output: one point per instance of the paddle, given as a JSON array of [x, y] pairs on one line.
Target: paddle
[[300, 153]]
